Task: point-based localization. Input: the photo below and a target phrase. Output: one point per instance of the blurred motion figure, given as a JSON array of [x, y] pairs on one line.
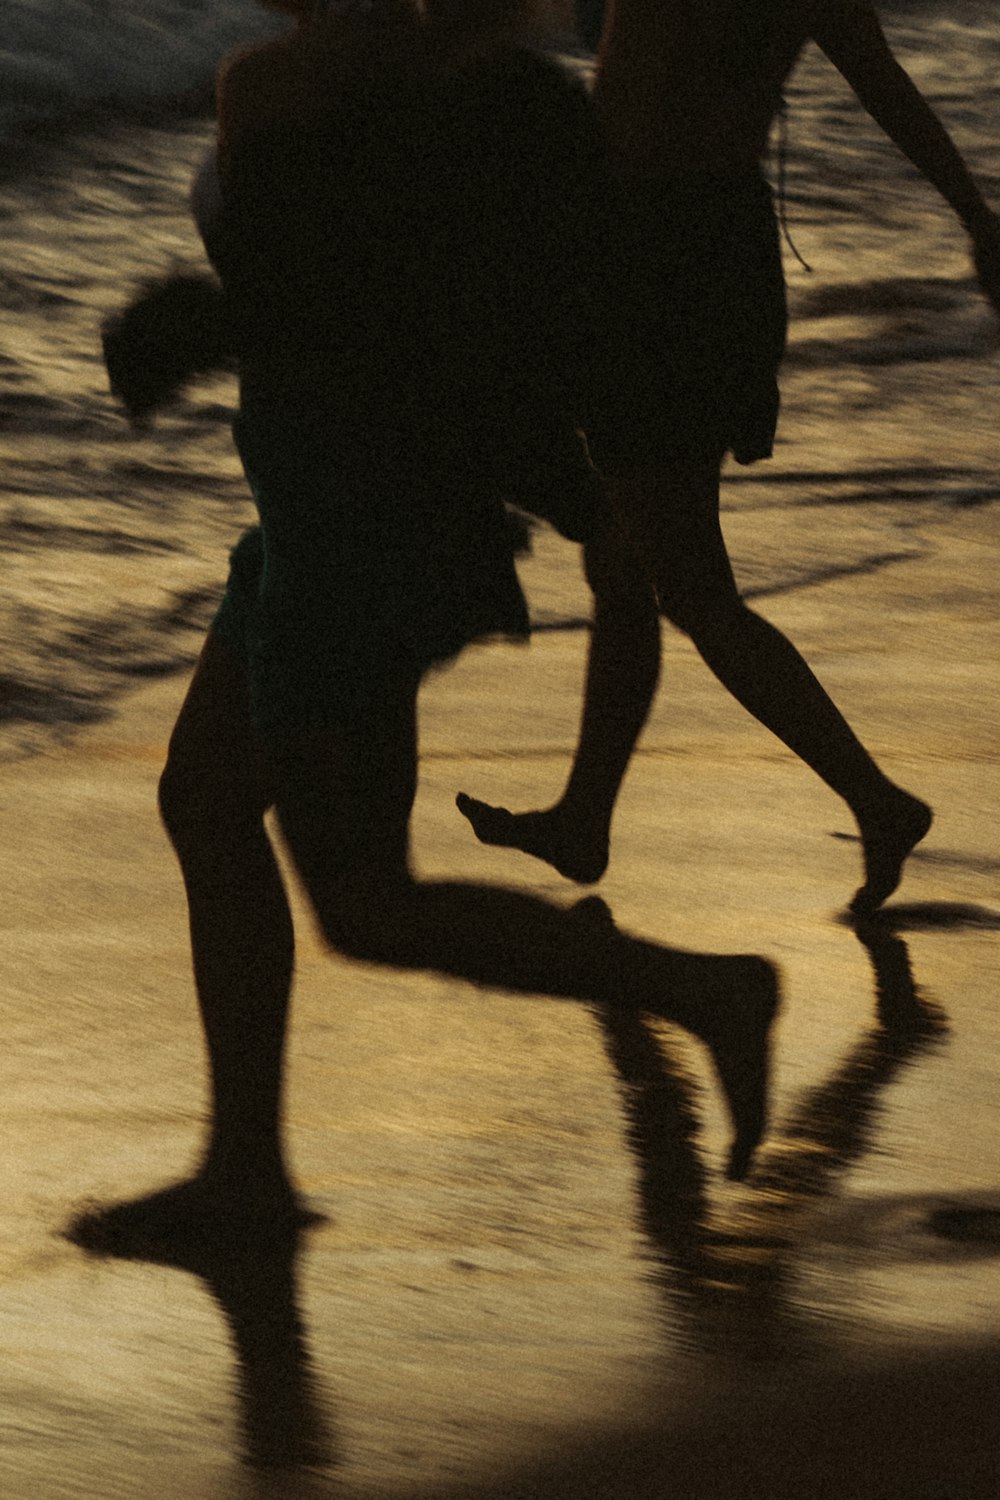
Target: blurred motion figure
[[394, 205], [687, 92]]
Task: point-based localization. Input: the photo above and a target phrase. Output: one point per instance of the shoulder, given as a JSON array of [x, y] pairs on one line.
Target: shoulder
[[523, 83], [253, 83], [255, 64], [824, 10], [533, 117], [820, 16]]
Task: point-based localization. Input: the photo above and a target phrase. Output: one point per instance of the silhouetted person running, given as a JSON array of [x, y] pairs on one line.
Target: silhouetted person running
[[367, 399], [687, 92]]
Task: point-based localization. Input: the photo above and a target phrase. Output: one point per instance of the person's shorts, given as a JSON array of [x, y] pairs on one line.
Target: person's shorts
[[691, 341], [550, 476], [354, 579]]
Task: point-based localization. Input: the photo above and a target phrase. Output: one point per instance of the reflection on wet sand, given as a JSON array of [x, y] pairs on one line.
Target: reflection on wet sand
[[284, 1423], [728, 1286], [727, 1001]]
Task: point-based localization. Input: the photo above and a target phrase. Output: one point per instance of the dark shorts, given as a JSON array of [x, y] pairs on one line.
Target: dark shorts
[[549, 475], [356, 576], [692, 340]]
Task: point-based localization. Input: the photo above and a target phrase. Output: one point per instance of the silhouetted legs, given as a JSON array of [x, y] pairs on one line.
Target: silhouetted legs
[[343, 799], [623, 667], [671, 516], [213, 795], [356, 872]]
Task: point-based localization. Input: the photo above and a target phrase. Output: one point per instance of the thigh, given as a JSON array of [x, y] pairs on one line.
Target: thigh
[[344, 796], [671, 514], [617, 577], [216, 767]]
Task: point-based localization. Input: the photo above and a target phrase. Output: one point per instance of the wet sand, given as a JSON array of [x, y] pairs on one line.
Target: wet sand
[[532, 1278]]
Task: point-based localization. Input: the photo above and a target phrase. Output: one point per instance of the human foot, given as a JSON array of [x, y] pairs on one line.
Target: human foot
[[546, 835], [740, 1002], [190, 1218], [888, 838]]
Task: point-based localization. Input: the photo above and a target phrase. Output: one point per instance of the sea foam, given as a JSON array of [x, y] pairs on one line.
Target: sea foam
[[61, 56]]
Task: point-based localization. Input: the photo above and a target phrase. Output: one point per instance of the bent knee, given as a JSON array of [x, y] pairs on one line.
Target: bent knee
[[366, 920], [194, 801], [177, 798], [356, 929]]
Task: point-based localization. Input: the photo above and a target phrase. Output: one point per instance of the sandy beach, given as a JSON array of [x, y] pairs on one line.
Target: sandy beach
[[531, 1278]]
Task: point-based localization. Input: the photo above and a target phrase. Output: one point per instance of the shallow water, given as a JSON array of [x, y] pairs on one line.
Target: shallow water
[[531, 1279], [528, 1242], [115, 547]]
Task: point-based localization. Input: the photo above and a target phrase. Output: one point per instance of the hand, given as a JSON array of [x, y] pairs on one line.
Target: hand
[[986, 256], [172, 330]]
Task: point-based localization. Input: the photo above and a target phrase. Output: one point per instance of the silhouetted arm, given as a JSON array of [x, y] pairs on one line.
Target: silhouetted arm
[[849, 33]]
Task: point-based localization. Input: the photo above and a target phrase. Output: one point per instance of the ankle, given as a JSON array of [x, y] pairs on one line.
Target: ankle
[[582, 815], [246, 1170], [887, 802]]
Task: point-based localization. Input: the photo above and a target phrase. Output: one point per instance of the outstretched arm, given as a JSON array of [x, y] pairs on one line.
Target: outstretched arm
[[849, 33]]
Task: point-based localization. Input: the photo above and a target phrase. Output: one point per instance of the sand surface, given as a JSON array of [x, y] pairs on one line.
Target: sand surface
[[532, 1279]]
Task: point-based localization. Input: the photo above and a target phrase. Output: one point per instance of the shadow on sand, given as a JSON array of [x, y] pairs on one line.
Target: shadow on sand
[[729, 1286], [728, 1294]]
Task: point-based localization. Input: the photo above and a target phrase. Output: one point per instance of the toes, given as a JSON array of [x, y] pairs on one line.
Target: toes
[[542, 835], [491, 825], [887, 848]]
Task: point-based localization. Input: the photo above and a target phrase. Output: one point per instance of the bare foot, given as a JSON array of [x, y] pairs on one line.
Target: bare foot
[[188, 1219], [549, 836], [740, 1003], [731, 1003], [888, 838]]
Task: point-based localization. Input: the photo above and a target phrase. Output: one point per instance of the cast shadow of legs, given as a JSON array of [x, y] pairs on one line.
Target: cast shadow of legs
[[727, 1002], [730, 1288], [284, 1424]]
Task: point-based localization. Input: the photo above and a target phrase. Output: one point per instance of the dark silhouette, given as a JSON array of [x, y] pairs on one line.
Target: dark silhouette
[[589, 15], [687, 95], [362, 228], [285, 1423], [728, 1283], [730, 1291]]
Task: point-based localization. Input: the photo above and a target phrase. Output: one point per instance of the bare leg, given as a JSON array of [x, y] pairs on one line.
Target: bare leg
[[213, 799], [673, 517], [352, 858], [622, 672], [344, 800]]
